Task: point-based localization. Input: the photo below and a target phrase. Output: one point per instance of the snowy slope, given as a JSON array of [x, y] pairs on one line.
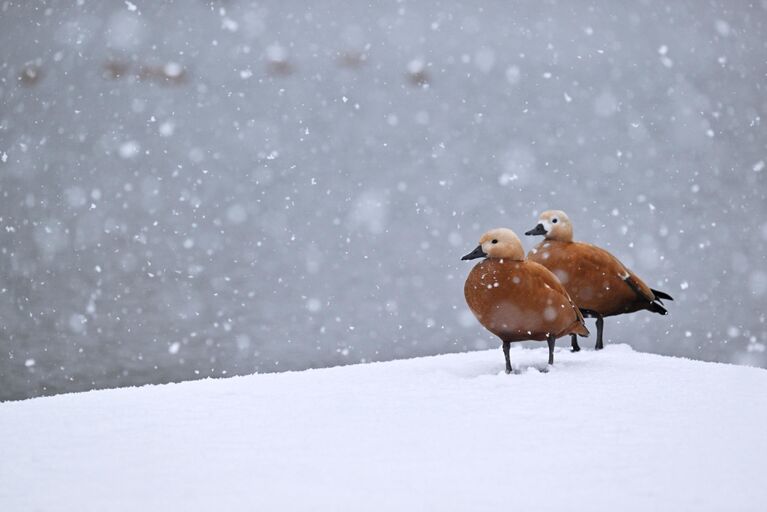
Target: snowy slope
[[616, 430]]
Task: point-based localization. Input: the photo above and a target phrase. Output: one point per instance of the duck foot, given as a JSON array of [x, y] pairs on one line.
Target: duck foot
[[574, 343], [600, 327], [551, 341]]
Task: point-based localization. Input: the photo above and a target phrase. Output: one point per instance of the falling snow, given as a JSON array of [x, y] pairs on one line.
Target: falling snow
[[191, 191]]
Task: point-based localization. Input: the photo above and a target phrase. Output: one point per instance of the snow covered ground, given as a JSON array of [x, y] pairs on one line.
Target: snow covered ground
[[616, 430]]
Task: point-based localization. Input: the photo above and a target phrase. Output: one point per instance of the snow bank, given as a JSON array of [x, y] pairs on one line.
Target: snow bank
[[616, 430]]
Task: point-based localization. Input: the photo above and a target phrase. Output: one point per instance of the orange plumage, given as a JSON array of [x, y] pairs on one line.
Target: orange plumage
[[520, 300], [516, 299], [595, 279]]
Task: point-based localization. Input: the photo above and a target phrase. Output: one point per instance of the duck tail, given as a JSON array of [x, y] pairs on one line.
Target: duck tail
[[662, 295], [656, 307], [579, 328]]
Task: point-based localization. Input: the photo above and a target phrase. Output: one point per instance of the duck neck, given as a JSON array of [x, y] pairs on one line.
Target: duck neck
[[508, 258], [567, 237]]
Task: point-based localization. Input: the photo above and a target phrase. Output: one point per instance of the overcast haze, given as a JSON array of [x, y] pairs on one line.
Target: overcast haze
[[195, 189]]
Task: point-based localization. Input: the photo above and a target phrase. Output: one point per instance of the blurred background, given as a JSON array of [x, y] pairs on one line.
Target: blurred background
[[203, 189]]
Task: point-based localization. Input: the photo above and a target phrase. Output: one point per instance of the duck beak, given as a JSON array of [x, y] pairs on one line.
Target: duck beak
[[476, 253], [537, 230]]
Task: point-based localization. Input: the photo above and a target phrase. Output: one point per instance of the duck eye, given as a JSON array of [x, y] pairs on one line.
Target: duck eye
[[554, 221], [495, 241]]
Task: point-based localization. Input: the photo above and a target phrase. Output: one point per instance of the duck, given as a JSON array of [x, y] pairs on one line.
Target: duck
[[516, 299], [596, 280]]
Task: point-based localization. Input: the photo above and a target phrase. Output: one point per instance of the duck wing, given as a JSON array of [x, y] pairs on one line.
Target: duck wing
[[607, 261], [547, 279]]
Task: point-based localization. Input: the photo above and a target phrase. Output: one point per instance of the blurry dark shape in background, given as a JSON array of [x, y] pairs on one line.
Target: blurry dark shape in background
[[30, 75], [277, 59], [115, 69], [171, 73], [417, 74], [352, 60]]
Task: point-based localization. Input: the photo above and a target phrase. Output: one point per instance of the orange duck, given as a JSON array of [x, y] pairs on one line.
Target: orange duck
[[596, 280], [516, 299]]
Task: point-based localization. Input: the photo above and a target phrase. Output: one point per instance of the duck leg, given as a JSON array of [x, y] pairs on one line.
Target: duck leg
[[600, 326], [506, 347], [551, 340], [574, 343]]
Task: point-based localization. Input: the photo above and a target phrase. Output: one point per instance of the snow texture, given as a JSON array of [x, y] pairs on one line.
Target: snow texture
[[195, 189], [601, 431]]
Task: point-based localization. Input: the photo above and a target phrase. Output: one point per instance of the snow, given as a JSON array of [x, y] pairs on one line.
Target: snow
[[610, 430]]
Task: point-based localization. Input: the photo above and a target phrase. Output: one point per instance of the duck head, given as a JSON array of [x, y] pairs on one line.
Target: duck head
[[554, 225], [498, 243]]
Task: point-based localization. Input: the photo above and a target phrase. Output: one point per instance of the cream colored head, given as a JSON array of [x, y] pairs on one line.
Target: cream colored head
[[498, 243], [555, 225]]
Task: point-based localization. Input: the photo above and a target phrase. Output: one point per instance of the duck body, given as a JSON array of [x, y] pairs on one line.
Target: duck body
[[517, 299], [521, 300], [595, 279]]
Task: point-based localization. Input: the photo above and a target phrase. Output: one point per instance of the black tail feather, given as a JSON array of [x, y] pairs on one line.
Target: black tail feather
[[662, 295], [656, 307]]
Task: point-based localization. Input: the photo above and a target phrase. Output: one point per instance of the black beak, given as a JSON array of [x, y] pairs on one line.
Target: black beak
[[537, 230], [476, 253]]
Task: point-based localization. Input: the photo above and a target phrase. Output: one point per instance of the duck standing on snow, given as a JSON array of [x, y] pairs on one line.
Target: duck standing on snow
[[515, 299], [595, 279]]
